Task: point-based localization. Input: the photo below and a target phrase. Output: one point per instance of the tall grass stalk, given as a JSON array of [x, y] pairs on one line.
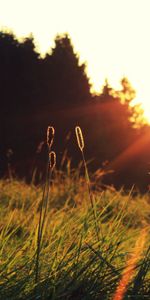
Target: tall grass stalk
[[45, 196], [80, 141]]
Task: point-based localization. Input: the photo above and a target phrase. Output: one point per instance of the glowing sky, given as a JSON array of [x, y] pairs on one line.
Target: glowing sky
[[112, 36]]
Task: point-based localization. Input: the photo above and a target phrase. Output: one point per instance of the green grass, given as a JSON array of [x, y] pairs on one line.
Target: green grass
[[73, 262]]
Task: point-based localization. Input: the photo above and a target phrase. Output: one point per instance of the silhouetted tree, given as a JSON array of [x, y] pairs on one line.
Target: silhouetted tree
[[36, 92], [65, 79]]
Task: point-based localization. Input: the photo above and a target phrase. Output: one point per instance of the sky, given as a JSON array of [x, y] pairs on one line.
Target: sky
[[111, 36]]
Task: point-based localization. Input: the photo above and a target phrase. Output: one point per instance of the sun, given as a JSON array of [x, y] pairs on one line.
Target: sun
[[143, 99], [146, 108]]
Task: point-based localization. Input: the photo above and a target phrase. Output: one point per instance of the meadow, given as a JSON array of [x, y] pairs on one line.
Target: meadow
[[82, 255], [69, 238]]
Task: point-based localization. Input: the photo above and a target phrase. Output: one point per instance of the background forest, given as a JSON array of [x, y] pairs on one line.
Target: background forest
[[36, 92]]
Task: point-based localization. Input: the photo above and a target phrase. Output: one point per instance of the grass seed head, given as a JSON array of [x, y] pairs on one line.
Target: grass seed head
[[52, 160], [50, 136], [79, 137]]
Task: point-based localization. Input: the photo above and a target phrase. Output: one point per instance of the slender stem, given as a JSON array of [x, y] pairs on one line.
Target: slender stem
[[90, 195], [40, 225]]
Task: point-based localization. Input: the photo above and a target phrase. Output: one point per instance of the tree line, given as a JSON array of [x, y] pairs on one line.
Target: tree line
[[55, 90]]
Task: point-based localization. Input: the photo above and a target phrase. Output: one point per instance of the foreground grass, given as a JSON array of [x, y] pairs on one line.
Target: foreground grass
[[75, 262]]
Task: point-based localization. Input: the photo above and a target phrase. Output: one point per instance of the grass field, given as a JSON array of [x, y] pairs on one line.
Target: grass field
[[84, 252]]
